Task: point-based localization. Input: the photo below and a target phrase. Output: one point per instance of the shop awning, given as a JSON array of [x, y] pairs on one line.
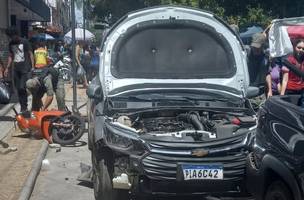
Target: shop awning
[[32, 10]]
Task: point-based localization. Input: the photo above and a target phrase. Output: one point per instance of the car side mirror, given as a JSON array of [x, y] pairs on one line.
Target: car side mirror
[[94, 91], [252, 92]]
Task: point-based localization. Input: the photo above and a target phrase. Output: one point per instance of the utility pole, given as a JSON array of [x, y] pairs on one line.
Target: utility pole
[[84, 20], [74, 107]]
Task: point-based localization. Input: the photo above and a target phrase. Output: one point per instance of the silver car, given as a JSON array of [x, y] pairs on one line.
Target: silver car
[[168, 112]]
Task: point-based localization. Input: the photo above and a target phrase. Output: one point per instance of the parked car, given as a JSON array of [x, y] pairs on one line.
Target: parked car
[[276, 161], [168, 113]]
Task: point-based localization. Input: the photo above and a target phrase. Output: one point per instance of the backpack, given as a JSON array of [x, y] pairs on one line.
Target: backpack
[[5, 94]]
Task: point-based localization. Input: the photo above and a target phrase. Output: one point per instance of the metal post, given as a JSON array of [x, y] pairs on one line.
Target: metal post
[[74, 107], [84, 21]]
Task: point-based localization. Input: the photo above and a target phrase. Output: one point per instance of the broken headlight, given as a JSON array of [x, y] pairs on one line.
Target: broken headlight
[[124, 140]]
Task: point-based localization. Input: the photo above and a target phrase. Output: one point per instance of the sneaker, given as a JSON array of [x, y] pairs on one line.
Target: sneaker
[[23, 110], [25, 113]]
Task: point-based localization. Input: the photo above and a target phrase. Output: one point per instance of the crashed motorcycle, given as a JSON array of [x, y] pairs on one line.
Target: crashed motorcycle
[[62, 127], [63, 64]]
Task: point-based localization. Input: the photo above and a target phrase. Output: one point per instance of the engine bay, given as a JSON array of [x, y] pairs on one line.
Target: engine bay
[[156, 123]]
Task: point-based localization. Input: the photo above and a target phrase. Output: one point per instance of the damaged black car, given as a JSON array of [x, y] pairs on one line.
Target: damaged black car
[[276, 161], [168, 113]]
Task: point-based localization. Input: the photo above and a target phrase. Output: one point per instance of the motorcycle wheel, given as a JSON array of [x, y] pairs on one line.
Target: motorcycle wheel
[[67, 129]]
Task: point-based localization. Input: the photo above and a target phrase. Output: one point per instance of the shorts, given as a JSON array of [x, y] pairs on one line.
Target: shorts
[[33, 85]]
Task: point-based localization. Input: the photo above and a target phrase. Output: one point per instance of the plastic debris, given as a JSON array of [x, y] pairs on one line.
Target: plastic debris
[[45, 164], [86, 173], [54, 146], [121, 182]]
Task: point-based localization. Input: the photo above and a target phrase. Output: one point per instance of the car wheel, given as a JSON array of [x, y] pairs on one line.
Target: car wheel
[[102, 180], [278, 190]]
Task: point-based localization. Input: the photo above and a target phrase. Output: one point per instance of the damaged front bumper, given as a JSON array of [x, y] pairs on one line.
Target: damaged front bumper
[[153, 165]]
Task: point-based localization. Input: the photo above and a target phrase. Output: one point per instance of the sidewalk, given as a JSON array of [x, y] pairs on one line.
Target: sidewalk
[[16, 166], [6, 114], [6, 117]]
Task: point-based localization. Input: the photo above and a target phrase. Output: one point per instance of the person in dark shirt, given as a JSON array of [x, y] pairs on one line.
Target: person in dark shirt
[[22, 59], [257, 60]]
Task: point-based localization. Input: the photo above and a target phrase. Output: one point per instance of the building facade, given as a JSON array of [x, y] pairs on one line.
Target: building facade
[[4, 23], [20, 13], [59, 18]]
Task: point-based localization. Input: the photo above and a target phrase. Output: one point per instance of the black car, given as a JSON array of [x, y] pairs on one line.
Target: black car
[[276, 165], [168, 113]]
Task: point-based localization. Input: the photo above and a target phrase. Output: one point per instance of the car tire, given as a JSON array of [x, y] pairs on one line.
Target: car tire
[[102, 180], [278, 190]]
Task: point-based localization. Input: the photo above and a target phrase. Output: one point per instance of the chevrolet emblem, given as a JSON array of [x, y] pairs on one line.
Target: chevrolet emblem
[[199, 152]]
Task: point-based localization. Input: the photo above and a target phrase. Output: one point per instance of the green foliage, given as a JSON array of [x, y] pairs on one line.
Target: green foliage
[[240, 12], [213, 6], [111, 10], [256, 16], [192, 3]]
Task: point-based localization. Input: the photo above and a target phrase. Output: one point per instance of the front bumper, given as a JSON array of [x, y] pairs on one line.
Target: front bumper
[[157, 172]]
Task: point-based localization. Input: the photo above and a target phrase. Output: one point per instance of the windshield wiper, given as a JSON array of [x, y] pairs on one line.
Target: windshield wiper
[[129, 98], [153, 98], [213, 99]]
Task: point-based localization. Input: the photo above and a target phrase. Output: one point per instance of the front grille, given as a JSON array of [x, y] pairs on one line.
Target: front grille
[[162, 162]]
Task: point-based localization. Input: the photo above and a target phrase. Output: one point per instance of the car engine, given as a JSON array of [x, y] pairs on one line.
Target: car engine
[[163, 122]]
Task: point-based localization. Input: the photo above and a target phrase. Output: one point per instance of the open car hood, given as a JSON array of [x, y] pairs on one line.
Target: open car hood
[[172, 45]]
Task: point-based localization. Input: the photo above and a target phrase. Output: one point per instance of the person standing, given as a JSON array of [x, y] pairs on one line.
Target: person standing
[[257, 60], [273, 78], [292, 83], [85, 61], [22, 60], [80, 70]]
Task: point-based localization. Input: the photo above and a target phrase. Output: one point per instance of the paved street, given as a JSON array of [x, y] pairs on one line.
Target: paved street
[[58, 179]]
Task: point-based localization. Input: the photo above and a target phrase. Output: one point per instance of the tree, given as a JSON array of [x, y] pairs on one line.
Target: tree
[[244, 12], [213, 6], [192, 3], [256, 16], [110, 11]]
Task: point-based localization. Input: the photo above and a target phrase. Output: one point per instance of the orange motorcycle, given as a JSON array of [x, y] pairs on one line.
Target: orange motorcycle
[[62, 127]]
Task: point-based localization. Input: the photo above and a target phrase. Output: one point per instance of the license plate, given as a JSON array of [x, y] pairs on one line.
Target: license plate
[[205, 172]]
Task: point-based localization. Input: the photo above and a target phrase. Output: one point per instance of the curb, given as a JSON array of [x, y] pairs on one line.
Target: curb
[[6, 109], [31, 179]]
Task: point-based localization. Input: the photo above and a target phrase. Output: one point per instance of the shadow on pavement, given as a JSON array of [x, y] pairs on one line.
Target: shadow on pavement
[[77, 144], [25, 135], [7, 119], [86, 184]]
